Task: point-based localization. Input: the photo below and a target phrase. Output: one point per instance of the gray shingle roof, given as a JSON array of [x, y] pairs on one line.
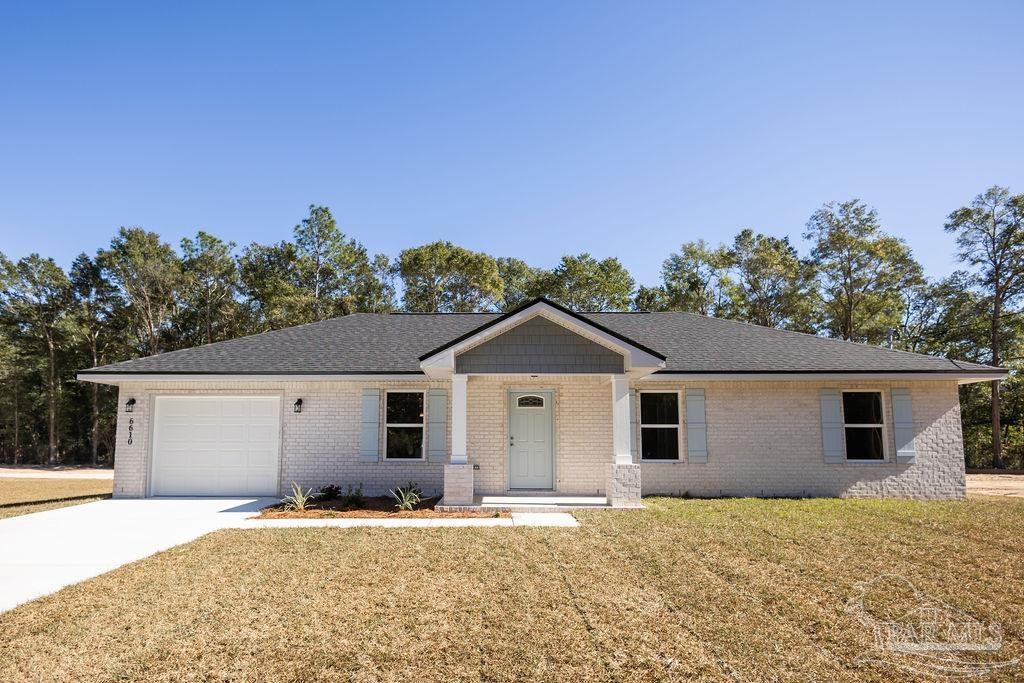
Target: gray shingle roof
[[367, 343]]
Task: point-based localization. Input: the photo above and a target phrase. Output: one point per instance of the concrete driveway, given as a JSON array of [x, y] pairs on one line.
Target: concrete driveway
[[43, 552]]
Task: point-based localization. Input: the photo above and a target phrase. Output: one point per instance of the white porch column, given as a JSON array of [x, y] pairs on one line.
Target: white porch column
[[620, 420], [459, 451], [622, 487]]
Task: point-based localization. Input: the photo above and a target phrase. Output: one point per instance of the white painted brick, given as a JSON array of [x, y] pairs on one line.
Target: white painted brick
[[764, 438]]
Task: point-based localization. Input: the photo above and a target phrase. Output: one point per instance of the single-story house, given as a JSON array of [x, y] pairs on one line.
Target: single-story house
[[540, 399]]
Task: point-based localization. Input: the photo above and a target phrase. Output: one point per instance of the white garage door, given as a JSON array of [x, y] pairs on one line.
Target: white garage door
[[215, 445]]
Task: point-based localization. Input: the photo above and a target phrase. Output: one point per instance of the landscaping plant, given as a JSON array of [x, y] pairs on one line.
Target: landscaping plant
[[298, 501], [331, 492], [354, 497], [407, 497]]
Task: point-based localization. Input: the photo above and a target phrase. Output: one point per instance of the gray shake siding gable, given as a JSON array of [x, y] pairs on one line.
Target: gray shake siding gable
[[539, 345]]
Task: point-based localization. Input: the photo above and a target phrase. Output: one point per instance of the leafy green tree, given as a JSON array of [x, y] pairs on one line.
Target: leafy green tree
[[270, 287], [519, 280], [990, 238], [211, 287], [861, 271], [769, 284], [96, 310], [36, 301], [582, 283], [651, 299], [696, 278], [149, 275], [442, 277], [374, 288]]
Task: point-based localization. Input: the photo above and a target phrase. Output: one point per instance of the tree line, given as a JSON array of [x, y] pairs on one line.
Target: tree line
[[139, 296]]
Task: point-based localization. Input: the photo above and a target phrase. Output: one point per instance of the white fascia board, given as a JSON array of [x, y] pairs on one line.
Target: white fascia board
[[123, 377], [960, 378], [638, 362]]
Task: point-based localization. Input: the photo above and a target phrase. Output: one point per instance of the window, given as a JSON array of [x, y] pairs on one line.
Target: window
[[863, 425], [659, 425], [403, 432], [530, 402]]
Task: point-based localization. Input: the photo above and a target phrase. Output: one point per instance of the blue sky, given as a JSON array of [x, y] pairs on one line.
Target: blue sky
[[518, 128]]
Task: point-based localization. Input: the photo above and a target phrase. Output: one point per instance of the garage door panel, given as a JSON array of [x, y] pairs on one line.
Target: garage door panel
[[214, 445]]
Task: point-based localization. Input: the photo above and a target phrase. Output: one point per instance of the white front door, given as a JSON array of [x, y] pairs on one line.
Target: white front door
[[215, 445], [531, 430]]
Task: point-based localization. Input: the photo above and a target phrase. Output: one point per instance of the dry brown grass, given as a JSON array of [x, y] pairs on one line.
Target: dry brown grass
[[29, 508], [715, 590], [15, 490]]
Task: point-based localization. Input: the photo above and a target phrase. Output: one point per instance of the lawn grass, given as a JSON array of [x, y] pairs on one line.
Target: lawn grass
[[713, 590], [16, 490], [29, 508]]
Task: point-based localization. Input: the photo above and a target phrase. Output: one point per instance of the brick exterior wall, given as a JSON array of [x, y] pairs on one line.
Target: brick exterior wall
[[583, 431], [764, 438]]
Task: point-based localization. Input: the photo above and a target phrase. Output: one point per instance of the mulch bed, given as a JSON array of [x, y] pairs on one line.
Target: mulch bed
[[375, 506]]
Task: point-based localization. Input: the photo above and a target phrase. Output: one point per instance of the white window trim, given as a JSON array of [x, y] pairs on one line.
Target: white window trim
[[884, 425], [422, 425], [678, 426]]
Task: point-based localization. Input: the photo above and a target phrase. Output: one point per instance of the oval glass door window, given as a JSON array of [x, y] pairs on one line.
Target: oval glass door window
[[530, 402]]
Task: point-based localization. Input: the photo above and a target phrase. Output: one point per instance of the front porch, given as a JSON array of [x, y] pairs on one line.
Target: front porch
[[571, 448], [540, 401]]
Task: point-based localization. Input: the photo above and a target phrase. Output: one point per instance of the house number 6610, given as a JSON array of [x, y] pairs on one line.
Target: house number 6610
[[131, 428]]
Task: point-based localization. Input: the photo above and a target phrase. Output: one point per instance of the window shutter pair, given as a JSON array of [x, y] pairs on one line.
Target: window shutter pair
[[437, 421], [832, 426]]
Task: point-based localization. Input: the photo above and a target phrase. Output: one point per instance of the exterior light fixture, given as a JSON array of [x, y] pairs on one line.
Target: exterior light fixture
[[298, 405], [129, 405]]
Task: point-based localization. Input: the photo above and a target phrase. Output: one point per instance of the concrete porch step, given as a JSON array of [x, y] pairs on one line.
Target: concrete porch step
[[528, 503]]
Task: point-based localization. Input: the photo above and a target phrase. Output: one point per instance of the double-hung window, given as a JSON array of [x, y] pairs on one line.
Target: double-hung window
[[404, 425], [863, 425], [659, 425]]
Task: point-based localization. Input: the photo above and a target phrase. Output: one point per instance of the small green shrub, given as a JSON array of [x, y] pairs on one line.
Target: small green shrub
[[298, 501], [354, 497], [331, 492], [407, 497]]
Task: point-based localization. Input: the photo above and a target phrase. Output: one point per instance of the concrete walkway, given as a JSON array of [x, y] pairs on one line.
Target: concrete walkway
[[43, 552], [562, 519]]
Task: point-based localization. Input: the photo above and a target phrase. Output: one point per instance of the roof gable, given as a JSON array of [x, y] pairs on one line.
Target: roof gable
[[638, 360], [539, 345]]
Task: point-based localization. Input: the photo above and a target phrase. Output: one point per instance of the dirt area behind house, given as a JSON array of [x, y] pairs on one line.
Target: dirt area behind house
[[996, 484], [59, 472]]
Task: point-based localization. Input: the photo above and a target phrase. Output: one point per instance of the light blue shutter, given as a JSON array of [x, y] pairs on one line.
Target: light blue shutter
[[696, 427], [832, 425], [632, 424], [369, 433], [437, 425], [903, 426]]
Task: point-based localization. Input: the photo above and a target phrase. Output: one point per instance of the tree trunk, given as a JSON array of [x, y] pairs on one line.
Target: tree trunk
[[95, 410], [17, 426], [51, 405], [997, 432]]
